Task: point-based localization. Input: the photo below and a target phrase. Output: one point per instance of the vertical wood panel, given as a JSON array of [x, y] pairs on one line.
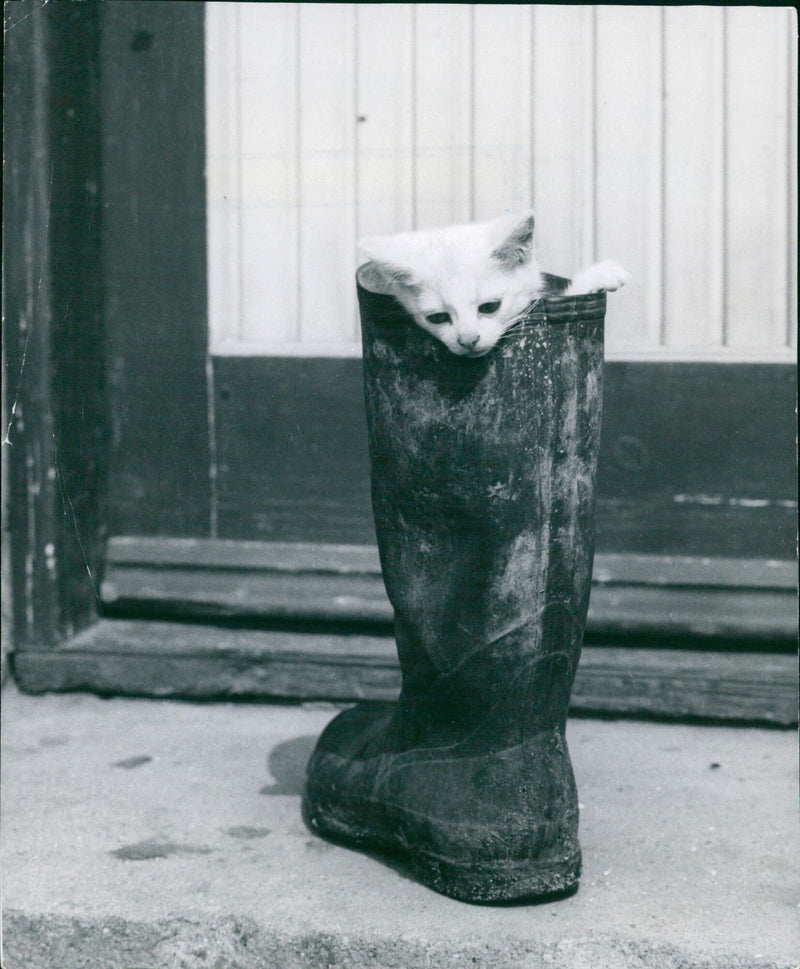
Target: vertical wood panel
[[501, 177], [629, 162], [268, 146], [757, 130], [154, 265], [223, 173], [77, 332], [385, 119], [563, 136], [693, 174], [791, 178], [326, 66], [443, 99]]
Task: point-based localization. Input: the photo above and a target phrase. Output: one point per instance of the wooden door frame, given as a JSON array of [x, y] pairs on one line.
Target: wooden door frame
[[56, 439], [103, 186], [83, 223]]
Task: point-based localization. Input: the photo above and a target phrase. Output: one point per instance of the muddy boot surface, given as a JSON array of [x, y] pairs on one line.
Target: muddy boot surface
[[483, 475]]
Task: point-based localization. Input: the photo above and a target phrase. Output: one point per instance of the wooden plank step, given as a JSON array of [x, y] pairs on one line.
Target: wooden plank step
[[646, 595], [139, 550], [302, 595], [199, 661], [301, 557]]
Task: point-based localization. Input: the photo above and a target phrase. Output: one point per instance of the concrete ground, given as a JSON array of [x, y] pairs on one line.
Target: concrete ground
[[141, 834]]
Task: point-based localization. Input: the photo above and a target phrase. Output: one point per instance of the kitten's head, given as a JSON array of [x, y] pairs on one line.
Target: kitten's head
[[465, 284]]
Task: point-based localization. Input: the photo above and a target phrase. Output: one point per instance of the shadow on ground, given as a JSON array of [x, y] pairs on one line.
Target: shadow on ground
[[287, 765]]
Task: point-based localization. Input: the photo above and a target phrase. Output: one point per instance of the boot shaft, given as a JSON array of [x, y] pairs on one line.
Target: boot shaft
[[483, 475]]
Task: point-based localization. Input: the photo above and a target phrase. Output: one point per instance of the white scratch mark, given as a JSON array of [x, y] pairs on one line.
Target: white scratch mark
[[28, 327], [66, 500], [30, 497], [16, 23], [212, 447], [717, 500], [13, 413]]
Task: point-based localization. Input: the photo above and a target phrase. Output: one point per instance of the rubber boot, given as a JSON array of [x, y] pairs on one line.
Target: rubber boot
[[483, 474]]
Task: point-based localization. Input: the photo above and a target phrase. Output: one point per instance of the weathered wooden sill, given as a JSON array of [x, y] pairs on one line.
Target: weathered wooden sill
[[200, 661]]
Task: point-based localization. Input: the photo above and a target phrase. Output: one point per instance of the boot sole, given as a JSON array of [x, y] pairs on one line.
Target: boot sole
[[485, 881]]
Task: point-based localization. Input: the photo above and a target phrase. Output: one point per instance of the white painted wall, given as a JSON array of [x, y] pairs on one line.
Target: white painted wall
[[663, 137]]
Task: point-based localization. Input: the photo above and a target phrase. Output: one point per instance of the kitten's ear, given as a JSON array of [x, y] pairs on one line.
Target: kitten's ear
[[516, 245], [383, 277], [381, 273]]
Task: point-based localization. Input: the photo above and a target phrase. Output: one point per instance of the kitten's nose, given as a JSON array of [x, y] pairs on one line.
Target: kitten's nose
[[468, 339]]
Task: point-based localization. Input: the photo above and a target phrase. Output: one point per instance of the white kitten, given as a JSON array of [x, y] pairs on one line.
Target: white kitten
[[467, 284]]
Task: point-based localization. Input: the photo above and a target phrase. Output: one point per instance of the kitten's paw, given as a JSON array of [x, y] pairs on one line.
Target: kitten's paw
[[601, 277], [608, 276]]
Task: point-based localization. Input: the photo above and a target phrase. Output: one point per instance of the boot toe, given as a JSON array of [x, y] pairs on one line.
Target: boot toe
[[338, 799], [356, 733]]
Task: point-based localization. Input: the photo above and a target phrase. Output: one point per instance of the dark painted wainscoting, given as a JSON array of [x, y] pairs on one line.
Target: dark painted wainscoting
[[696, 459]]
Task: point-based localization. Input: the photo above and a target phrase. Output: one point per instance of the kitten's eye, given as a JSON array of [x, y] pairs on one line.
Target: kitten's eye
[[438, 319], [491, 307]]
